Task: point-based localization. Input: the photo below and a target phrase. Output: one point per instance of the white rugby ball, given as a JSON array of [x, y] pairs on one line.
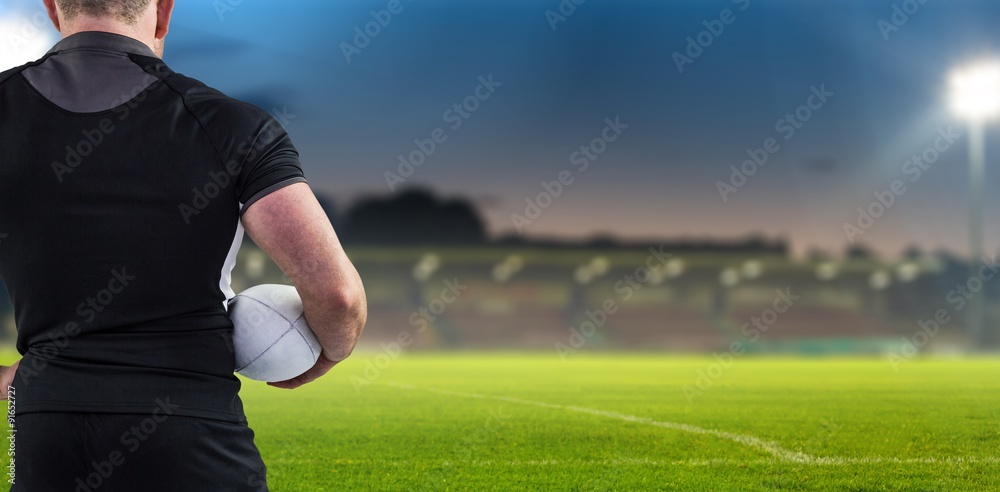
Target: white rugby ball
[[271, 338]]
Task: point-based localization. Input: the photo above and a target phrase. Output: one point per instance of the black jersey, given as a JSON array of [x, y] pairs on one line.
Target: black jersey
[[122, 184]]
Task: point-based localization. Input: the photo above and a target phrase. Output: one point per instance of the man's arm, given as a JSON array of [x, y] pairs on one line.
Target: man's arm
[[292, 228]]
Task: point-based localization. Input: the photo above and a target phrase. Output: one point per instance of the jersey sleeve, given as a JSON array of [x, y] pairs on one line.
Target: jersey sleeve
[[251, 145], [271, 163]]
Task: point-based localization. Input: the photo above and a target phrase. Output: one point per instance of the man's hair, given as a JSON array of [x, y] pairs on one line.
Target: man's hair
[[125, 10]]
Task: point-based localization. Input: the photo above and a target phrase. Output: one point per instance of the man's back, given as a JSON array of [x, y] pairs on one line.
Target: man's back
[[124, 190], [121, 189]]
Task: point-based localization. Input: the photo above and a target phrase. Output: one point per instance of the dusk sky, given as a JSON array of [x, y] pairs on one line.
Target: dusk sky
[[615, 59]]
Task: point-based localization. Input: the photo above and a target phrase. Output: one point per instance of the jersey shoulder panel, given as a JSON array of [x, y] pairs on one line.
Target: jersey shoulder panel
[[5, 76], [208, 104], [232, 125], [250, 143]]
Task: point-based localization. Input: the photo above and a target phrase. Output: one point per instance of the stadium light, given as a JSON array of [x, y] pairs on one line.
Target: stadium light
[[256, 262], [583, 275], [907, 272], [879, 280], [975, 91], [503, 271], [752, 269], [599, 265], [675, 268], [975, 96], [827, 271], [426, 267], [729, 277]]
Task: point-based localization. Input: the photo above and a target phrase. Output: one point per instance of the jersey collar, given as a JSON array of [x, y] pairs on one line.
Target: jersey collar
[[103, 41]]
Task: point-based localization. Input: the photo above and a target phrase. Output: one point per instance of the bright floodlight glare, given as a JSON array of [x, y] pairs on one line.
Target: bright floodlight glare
[[975, 91]]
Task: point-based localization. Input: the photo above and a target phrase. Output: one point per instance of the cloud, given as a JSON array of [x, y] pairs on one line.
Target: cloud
[[26, 37]]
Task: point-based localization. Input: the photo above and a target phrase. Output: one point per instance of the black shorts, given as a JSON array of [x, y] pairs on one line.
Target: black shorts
[[89, 452]]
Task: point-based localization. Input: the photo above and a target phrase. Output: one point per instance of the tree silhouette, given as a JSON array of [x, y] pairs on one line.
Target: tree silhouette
[[413, 217]]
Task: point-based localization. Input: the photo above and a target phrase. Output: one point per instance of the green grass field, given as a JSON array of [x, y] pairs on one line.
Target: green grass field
[[623, 422]]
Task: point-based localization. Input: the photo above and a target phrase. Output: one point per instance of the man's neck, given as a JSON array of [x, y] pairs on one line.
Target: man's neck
[[92, 24]]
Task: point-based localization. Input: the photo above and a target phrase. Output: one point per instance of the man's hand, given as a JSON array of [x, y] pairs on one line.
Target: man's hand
[[322, 366], [7, 378]]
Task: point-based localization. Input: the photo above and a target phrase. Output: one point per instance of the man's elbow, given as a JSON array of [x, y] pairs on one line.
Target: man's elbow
[[351, 303]]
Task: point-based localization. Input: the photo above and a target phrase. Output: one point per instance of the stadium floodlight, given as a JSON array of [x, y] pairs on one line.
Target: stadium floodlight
[[907, 271], [583, 275], [515, 262], [675, 268], [426, 267], [502, 273], [975, 96], [879, 280], [600, 265], [729, 277], [752, 269], [256, 262], [656, 276], [827, 271], [975, 91]]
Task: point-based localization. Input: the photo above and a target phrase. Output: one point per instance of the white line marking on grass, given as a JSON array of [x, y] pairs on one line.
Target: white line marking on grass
[[744, 439], [650, 462], [738, 462], [783, 455]]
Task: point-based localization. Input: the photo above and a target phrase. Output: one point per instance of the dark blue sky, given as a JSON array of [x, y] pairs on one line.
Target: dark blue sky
[[613, 58]]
